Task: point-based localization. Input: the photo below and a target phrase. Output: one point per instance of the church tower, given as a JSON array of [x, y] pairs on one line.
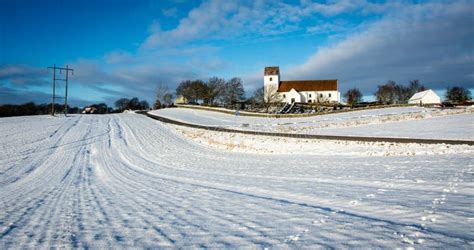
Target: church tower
[[271, 80]]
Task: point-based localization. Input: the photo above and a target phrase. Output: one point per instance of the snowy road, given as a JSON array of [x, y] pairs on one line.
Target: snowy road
[[129, 181]]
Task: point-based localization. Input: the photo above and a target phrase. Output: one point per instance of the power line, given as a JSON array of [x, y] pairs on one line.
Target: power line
[[67, 69]]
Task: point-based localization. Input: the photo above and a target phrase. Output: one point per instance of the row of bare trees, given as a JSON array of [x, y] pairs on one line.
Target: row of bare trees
[[393, 93], [216, 91], [388, 93], [132, 104], [30, 108]]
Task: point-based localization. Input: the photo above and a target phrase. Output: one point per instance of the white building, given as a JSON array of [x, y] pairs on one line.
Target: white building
[[302, 91], [425, 97]]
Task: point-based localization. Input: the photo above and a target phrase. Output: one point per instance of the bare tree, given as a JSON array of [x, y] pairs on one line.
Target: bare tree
[[401, 93], [458, 94], [216, 89], [157, 104], [122, 104], [415, 86], [143, 105], [134, 103], [184, 89], [267, 98], [199, 90], [353, 96], [161, 92], [168, 99], [386, 93], [234, 91]]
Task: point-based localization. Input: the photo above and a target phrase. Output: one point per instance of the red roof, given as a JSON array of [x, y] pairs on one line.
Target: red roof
[[308, 85]]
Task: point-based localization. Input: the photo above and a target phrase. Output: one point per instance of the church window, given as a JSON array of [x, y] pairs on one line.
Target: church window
[[321, 95], [284, 96], [329, 94], [270, 79], [309, 95]]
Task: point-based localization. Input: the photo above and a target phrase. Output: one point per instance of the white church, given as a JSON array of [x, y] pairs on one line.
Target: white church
[[299, 91]]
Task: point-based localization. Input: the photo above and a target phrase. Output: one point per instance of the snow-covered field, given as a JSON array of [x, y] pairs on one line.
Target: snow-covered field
[[408, 122], [296, 146], [130, 181]]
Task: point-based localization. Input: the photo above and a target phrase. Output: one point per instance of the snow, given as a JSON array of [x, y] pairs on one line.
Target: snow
[[296, 146], [408, 122], [116, 181], [453, 127]]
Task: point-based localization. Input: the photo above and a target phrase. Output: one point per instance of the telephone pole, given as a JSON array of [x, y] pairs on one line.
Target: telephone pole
[[67, 69]]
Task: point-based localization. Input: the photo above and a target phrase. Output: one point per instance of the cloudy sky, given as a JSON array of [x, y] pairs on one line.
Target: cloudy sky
[[126, 48]]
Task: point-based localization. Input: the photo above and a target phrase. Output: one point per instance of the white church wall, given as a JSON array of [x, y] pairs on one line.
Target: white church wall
[[310, 96], [270, 83], [293, 96], [320, 96]]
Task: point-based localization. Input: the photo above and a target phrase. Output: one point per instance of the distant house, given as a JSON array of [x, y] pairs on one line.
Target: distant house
[[89, 110], [425, 97], [302, 91], [180, 100]]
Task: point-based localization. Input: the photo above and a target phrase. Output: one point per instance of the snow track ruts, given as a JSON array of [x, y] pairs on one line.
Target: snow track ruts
[[128, 181]]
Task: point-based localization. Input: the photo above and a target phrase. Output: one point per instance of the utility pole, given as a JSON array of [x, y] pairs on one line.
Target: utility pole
[[67, 69], [65, 96], [54, 90]]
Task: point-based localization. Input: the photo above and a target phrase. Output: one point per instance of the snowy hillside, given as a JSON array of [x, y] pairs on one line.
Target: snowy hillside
[[114, 181], [409, 122]]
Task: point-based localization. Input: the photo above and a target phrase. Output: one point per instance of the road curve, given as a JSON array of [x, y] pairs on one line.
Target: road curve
[[314, 136]]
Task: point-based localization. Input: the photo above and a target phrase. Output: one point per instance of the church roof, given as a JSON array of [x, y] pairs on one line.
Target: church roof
[[272, 71], [308, 85]]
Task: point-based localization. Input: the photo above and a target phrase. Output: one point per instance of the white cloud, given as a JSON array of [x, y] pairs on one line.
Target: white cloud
[[247, 19], [129, 80], [118, 56], [333, 7], [199, 23], [23, 75], [430, 42]]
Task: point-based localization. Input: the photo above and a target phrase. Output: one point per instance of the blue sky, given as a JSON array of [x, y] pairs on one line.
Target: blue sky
[[127, 48]]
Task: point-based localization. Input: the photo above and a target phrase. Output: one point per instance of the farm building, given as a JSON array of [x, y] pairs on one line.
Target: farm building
[[300, 91], [180, 100], [425, 97], [89, 110]]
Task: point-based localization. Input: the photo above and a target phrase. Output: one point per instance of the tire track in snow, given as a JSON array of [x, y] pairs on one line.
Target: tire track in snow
[[327, 209], [140, 185], [25, 156], [126, 182], [20, 189], [53, 204], [49, 203]]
